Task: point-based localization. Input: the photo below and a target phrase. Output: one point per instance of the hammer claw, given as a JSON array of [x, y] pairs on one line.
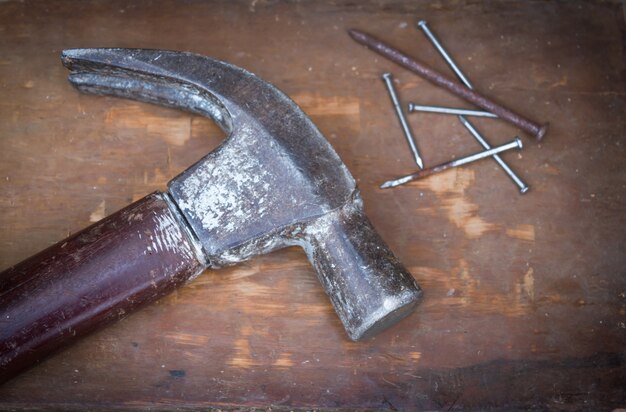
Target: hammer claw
[[116, 72]]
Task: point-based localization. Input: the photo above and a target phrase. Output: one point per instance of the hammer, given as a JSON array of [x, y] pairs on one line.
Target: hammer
[[274, 182]]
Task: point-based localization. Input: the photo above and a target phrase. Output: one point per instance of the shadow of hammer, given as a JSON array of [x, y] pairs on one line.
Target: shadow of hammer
[[274, 182]]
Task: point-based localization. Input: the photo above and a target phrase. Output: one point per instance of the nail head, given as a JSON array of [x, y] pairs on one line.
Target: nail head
[[542, 132]]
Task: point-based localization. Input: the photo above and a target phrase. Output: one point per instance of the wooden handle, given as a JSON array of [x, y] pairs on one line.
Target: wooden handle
[[98, 275]]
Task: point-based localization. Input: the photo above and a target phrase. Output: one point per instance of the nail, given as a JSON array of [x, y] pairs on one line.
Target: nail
[[405, 126], [448, 110], [422, 25], [454, 87], [515, 144], [523, 187]]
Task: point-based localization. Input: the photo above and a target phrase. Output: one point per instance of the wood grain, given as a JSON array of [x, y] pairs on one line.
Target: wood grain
[[525, 296]]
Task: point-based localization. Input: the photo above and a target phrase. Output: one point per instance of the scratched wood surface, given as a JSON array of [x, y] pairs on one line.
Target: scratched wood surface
[[525, 296]]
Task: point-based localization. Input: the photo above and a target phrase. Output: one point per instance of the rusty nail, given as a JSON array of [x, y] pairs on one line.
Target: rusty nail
[[514, 144]]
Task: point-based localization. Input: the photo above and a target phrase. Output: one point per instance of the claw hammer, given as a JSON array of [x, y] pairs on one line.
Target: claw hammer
[[274, 182]]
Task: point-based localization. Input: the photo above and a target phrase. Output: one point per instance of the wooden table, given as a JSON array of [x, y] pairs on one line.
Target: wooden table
[[525, 295]]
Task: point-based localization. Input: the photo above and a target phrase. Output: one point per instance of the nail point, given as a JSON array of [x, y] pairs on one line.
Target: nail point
[[357, 35], [419, 162]]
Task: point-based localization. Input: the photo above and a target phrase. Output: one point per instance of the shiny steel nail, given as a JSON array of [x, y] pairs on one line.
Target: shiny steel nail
[[448, 110], [515, 144], [405, 126], [523, 187], [422, 25]]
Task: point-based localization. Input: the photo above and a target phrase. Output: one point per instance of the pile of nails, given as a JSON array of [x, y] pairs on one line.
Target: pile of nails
[[465, 91]]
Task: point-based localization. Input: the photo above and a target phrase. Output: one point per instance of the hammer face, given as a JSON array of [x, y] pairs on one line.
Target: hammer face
[[368, 286]]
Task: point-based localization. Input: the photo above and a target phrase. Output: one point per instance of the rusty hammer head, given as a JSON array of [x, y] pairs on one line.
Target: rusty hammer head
[[274, 182]]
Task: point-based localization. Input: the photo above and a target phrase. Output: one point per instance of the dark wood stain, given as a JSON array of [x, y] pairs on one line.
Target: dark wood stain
[[525, 296]]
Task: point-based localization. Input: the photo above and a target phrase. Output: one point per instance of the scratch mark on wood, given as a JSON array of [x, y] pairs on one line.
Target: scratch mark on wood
[[99, 213], [316, 105], [560, 83], [470, 294], [173, 129], [415, 355], [243, 356], [284, 360], [450, 188], [529, 284], [391, 383], [188, 339], [522, 232]]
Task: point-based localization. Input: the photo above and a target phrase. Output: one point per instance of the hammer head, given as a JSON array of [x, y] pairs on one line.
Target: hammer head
[[274, 182]]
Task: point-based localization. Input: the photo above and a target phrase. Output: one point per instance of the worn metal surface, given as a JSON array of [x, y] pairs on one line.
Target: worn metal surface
[[396, 56]]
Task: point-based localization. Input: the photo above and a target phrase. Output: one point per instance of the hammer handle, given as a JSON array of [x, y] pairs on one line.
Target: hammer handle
[[96, 276]]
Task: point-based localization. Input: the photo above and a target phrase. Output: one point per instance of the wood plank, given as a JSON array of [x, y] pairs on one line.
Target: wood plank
[[525, 301]]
